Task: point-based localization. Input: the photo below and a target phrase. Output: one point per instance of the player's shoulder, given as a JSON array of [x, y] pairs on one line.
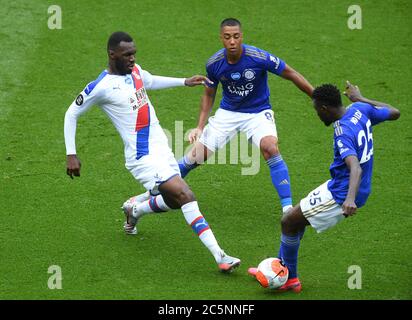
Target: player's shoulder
[[361, 106], [343, 127], [348, 124], [359, 109], [255, 52], [218, 56], [94, 85]]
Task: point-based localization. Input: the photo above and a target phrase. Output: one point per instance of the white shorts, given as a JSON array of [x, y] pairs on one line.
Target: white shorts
[[320, 209], [158, 166], [224, 125]]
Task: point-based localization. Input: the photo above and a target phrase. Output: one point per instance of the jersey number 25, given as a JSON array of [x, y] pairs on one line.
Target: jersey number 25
[[365, 139]]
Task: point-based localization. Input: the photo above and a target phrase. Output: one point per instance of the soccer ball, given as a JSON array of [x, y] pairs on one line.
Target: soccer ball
[[272, 273]]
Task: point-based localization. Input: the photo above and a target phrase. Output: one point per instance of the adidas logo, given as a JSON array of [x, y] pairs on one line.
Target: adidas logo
[[284, 181]]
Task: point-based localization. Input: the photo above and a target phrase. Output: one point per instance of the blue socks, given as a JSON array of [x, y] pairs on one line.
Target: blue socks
[[289, 247], [280, 179], [185, 166]]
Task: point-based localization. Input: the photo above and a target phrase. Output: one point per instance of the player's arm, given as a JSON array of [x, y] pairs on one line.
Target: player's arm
[[353, 93], [206, 105], [153, 82], [78, 107], [73, 164], [349, 207], [291, 74]]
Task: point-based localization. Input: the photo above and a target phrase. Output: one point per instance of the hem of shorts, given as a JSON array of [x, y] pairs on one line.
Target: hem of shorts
[[161, 182], [267, 107]]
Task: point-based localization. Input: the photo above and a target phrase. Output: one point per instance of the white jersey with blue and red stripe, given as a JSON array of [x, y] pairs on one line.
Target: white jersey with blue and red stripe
[[124, 99]]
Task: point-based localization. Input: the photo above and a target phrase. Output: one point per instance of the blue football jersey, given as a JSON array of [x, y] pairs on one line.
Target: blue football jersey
[[353, 136], [245, 87]]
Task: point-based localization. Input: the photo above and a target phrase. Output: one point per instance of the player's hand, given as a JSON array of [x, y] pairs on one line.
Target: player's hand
[[195, 134], [73, 166], [349, 208], [352, 92], [197, 80]]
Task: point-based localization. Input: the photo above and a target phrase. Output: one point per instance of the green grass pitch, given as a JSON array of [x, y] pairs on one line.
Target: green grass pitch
[[48, 219]]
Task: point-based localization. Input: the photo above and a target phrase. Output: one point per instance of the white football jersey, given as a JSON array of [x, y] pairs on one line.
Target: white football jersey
[[121, 97]]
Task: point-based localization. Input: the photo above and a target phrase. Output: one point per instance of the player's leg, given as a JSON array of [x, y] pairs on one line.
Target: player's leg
[[292, 224], [129, 203], [177, 194], [262, 130], [279, 171], [220, 129], [320, 210], [149, 171], [195, 157], [135, 210]]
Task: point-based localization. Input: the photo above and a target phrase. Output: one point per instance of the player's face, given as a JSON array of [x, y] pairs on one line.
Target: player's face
[[124, 57], [232, 38], [323, 113]]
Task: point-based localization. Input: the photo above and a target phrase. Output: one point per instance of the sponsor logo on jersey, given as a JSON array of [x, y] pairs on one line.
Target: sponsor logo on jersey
[[141, 97], [249, 74], [342, 150], [79, 100], [340, 144], [133, 103], [235, 76], [242, 90], [138, 99]]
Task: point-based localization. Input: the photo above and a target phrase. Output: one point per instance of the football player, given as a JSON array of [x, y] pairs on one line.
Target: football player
[[351, 171], [120, 91]]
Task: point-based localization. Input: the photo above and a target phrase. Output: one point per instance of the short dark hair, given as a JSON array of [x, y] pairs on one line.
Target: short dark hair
[[327, 95], [116, 38], [231, 22]]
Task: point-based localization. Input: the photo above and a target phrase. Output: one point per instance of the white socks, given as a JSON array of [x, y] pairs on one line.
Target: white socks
[[153, 205], [200, 226]]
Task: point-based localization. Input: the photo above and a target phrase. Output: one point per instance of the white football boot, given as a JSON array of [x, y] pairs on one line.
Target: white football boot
[[227, 263], [128, 208]]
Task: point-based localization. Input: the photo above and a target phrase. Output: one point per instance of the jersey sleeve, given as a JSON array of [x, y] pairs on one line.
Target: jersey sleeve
[[152, 82], [147, 79], [378, 115], [274, 64], [210, 74], [345, 145], [80, 105]]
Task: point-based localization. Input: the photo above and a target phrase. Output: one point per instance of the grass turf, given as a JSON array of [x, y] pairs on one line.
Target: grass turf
[[48, 219]]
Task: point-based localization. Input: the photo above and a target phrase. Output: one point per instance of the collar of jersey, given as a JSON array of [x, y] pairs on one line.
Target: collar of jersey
[[241, 57]]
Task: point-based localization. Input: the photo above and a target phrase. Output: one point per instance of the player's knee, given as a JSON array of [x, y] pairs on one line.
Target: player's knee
[[285, 224], [185, 195], [269, 147], [289, 225], [200, 153]]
